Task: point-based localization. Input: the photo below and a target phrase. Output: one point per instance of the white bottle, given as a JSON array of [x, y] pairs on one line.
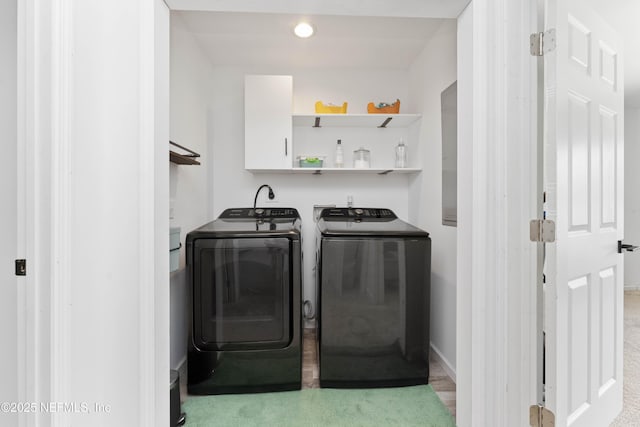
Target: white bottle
[[401, 155], [339, 155]]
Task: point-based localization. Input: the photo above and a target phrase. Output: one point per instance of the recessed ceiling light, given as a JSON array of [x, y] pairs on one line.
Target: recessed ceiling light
[[303, 30]]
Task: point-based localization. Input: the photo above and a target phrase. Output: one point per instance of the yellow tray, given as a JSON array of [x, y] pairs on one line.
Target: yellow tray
[[331, 109]]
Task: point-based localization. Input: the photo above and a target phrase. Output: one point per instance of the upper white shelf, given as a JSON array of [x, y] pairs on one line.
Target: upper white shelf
[[355, 120]]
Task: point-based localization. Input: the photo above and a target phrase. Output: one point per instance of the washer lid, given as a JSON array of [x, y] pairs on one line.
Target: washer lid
[[371, 222]]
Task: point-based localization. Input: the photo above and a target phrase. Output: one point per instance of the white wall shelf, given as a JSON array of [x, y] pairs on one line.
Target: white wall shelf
[[355, 120], [321, 171]]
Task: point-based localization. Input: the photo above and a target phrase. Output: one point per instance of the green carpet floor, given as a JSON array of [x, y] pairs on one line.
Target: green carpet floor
[[402, 406]]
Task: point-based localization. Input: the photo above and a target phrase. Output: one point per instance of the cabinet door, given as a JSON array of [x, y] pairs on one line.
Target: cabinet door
[[267, 122]]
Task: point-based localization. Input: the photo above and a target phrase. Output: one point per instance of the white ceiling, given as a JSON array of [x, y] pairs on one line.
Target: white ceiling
[[267, 39]]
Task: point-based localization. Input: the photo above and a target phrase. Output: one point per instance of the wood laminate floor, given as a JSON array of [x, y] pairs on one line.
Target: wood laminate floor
[[442, 384]]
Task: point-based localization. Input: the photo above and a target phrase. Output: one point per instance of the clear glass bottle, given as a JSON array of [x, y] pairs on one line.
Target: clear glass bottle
[[401, 155], [339, 155]]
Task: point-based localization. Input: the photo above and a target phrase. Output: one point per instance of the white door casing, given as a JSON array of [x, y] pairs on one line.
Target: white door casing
[[93, 108], [583, 180], [8, 213]]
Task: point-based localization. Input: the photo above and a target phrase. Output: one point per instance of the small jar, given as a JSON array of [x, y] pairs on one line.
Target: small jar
[[361, 158]]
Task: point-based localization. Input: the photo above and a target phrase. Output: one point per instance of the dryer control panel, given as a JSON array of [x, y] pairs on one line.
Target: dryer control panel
[[259, 213]]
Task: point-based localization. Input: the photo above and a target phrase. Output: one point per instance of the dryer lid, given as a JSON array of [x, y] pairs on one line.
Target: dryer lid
[[243, 222]]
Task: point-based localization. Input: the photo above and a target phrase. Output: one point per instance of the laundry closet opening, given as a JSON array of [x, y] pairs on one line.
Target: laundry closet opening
[[353, 59]]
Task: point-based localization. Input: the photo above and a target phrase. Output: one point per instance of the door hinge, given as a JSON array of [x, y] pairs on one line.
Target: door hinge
[[21, 267], [542, 230], [539, 416], [542, 43]]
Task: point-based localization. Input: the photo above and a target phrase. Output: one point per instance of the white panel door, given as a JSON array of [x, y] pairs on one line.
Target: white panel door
[[583, 179], [8, 211]]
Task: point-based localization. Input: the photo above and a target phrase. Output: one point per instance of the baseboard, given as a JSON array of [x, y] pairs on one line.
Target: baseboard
[[310, 324], [182, 367], [178, 277], [632, 287], [438, 357]]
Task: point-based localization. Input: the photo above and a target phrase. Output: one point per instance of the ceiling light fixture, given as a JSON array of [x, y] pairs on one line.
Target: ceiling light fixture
[[303, 30]]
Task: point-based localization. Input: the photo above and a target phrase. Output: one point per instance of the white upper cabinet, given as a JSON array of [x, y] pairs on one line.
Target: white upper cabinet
[[267, 122]]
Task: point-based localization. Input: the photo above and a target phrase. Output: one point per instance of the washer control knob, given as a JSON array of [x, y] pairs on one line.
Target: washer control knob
[[358, 212], [259, 211]]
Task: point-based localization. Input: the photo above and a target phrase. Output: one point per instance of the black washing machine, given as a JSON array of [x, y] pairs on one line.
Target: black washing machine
[[245, 280], [373, 282]]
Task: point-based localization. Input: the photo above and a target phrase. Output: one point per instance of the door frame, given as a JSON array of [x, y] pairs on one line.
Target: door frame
[[34, 338], [46, 169], [496, 362], [9, 283], [497, 348], [497, 365]]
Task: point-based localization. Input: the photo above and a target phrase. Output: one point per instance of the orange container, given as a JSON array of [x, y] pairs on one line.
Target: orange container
[[384, 109]]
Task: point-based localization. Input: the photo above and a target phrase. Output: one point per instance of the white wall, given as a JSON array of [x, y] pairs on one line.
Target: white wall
[[8, 215], [433, 71], [632, 196], [189, 188], [235, 187]]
